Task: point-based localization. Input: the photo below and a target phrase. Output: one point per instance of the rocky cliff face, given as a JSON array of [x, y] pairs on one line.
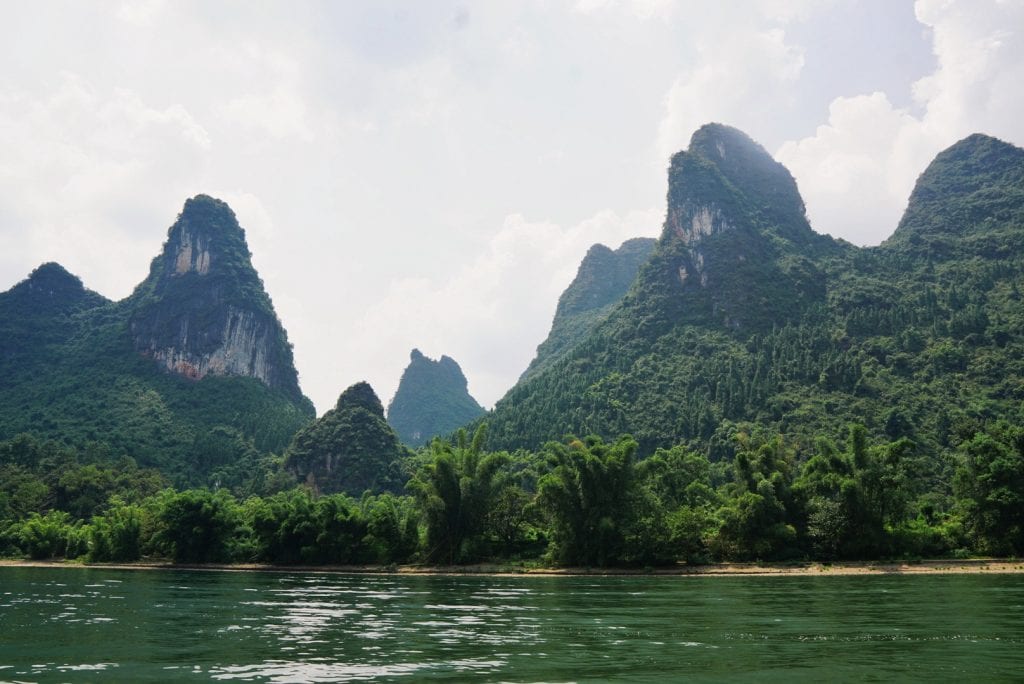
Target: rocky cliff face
[[203, 310], [432, 399], [736, 248], [82, 370]]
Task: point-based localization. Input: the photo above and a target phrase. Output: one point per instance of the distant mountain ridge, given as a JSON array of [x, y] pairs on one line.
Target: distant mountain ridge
[[744, 318], [432, 400]]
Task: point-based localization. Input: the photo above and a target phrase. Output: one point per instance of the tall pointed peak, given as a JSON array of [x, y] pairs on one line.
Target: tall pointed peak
[[725, 178], [432, 399], [203, 309], [603, 277], [205, 239], [602, 280], [718, 142]]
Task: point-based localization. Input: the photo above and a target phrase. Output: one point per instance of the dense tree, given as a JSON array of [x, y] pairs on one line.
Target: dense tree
[[588, 495], [117, 536], [578, 502], [197, 525], [54, 535], [855, 499], [456, 489], [349, 449], [990, 483]]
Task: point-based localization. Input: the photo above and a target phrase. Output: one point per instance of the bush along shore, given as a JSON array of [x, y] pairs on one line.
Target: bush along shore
[[582, 504]]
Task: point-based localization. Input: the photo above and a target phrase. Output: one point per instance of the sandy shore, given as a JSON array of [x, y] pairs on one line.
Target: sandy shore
[[926, 567]]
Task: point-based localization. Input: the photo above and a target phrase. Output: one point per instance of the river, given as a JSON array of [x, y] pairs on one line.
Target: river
[[74, 624]]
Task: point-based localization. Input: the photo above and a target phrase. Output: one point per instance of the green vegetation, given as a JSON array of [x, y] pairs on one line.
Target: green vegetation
[[578, 502], [350, 449], [761, 392], [432, 400], [758, 324], [603, 278], [76, 369]]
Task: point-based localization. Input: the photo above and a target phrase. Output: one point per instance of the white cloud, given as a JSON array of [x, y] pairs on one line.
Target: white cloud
[[281, 114], [140, 12], [856, 172], [488, 314], [641, 9], [87, 169], [742, 79]]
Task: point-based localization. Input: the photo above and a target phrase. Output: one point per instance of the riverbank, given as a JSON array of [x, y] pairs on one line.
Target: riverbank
[[942, 566]]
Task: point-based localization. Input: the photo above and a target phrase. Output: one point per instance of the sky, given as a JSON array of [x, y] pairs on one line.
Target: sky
[[430, 174]]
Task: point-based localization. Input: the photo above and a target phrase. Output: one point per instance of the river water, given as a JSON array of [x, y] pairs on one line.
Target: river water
[[72, 624]]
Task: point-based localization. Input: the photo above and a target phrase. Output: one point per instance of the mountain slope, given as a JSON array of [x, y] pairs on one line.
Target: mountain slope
[[603, 278], [432, 399], [98, 374], [970, 199], [743, 317]]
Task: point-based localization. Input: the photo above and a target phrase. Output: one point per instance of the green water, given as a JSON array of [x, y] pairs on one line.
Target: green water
[[61, 624]]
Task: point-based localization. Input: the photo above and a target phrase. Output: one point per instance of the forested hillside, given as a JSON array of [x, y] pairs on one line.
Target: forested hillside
[[760, 392], [744, 319], [603, 278], [192, 374], [349, 449]]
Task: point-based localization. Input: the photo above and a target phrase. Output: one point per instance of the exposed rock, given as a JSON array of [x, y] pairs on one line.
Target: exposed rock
[[203, 310]]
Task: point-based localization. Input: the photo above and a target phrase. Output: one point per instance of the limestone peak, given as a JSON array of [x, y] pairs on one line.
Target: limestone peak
[[203, 309]]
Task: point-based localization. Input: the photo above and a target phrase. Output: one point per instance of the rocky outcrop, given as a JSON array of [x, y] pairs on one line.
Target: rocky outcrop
[[85, 371], [241, 349], [432, 400], [735, 225], [203, 310]]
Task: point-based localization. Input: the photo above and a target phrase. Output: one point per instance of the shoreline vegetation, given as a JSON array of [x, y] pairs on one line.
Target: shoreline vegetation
[[581, 503], [804, 569]]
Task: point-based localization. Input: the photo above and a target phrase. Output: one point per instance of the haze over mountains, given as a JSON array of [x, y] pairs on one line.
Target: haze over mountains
[[432, 400], [738, 318]]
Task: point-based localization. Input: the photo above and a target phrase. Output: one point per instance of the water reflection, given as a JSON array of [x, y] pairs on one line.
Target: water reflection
[[93, 625]]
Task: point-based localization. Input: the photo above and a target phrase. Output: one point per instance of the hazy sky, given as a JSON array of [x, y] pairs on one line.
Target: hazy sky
[[430, 173]]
